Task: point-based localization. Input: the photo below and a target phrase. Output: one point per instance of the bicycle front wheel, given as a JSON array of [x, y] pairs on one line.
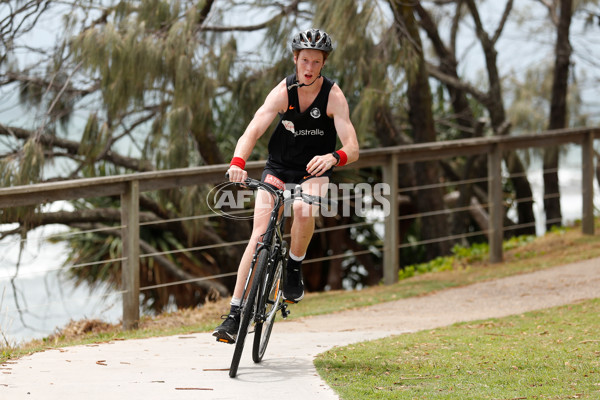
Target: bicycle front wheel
[[269, 304], [248, 311]]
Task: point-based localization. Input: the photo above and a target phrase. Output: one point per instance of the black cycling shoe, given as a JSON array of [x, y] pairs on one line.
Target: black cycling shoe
[[293, 285], [228, 330]]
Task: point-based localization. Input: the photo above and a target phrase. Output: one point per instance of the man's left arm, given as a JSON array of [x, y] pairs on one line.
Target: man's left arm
[[341, 118], [337, 109]]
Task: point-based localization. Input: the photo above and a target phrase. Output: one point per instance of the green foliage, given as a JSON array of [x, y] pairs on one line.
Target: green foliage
[[462, 256], [529, 100], [435, 265], [94, 139], [21, 168], [99, 250], [472, 253], [149, 58], [518, 241], [31, 163], [24, 167]]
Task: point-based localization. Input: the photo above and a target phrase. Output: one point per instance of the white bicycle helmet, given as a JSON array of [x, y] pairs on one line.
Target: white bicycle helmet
[[312, 39]]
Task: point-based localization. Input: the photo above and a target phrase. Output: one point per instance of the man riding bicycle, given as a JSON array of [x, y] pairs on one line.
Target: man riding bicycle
[[312, 111]]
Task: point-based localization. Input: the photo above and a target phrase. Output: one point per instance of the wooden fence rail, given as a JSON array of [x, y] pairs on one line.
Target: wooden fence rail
[[131, 185]]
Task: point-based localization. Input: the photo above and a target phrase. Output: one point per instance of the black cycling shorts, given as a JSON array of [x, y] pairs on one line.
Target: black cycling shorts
[[278, 176]]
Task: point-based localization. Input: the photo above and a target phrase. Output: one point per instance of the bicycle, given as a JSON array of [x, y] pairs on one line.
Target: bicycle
[[262, 289]]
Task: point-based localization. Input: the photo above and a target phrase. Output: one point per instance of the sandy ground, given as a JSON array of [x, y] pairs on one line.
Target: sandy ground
[[195, 366]]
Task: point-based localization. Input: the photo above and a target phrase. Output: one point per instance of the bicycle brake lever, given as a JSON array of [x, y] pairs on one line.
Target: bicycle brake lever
[[248, 183]]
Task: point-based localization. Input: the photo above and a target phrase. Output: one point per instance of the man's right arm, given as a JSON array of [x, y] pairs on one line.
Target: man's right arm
[[276, 102]]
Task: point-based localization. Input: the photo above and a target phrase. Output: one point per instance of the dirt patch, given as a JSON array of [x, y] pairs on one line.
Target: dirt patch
[[81, 328], [191, 319]]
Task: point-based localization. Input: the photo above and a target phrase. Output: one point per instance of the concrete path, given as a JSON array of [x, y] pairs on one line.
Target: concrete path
[[195, 366]]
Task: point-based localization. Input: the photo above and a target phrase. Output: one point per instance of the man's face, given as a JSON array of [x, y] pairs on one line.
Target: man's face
[[309, 64]]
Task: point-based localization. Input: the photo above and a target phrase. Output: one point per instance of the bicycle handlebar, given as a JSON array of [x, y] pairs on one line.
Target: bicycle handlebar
[[254, 184]]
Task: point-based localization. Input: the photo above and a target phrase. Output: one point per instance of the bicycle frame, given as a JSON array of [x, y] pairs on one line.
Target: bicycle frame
[[267, 261], [272, 239]]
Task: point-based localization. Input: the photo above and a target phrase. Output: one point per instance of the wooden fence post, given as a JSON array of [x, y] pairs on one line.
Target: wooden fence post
[[587, 183], [391, 259], [495, 201], [130, 272]]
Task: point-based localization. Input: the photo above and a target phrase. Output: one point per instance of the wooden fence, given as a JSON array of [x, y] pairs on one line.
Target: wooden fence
[[130, 186]]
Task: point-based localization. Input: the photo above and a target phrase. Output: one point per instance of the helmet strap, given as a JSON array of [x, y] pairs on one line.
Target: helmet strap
[[299, 85]]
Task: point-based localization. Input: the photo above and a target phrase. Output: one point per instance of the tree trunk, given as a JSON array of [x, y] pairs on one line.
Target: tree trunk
[[448, 65], [208, 147], [474, 166], [495, 105], [558, 114], [422, 123]]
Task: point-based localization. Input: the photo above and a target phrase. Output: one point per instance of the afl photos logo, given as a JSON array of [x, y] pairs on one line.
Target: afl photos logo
[[315, 113]]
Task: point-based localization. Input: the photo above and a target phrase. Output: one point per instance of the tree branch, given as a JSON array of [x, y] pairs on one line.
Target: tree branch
[[205, 11], [72, 147], [11, 27], [493, 100], [457, 83], [502, 22], [103, 215], [454, 27], [430, 27], [11, 77], [481, 33], [248, 28], [42, 127], [551, 7]]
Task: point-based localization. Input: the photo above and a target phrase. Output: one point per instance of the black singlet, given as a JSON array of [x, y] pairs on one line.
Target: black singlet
[[300, 136]]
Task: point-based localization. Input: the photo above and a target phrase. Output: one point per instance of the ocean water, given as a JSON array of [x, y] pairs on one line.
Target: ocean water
[[36, 299], [44, 303]]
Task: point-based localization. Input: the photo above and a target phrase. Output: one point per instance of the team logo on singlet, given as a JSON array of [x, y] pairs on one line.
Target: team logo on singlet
[[289, 125], [315, 113]]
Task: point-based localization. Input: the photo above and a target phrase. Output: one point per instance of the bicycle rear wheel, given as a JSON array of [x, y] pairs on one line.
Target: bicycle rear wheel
[[248, 312], [269, 304]]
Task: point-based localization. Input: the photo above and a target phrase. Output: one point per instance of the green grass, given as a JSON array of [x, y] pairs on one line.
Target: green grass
[[550, 354]]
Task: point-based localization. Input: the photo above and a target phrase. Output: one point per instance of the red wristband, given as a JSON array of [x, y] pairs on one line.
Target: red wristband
[[343, 158], [238, 162]]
